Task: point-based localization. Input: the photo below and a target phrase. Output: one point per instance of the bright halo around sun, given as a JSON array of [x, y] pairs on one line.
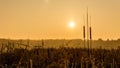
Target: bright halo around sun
[[71, 24], [46, 1]]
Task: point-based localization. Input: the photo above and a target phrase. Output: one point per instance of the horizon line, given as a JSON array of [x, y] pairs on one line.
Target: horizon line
[[57, 39]]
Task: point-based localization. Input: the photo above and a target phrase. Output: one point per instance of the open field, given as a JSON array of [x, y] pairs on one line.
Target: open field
[[37, 54], [60, 58], [57, 43]]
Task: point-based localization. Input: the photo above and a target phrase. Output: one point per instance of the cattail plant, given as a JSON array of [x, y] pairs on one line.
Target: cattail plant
[[90, 28], [84, 36]]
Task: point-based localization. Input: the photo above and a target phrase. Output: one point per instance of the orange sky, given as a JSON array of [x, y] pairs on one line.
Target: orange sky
[[45, 19]]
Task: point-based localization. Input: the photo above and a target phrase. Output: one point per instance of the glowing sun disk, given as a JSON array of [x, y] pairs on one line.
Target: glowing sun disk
[[71, 24]]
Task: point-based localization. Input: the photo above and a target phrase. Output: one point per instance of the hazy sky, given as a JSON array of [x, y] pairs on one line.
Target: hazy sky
[[44, 19]]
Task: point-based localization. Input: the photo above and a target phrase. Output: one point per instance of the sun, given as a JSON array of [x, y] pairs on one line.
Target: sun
[[71, 24]]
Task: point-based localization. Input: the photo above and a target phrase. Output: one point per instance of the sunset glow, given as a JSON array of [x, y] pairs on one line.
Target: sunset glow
[[38, 19]]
